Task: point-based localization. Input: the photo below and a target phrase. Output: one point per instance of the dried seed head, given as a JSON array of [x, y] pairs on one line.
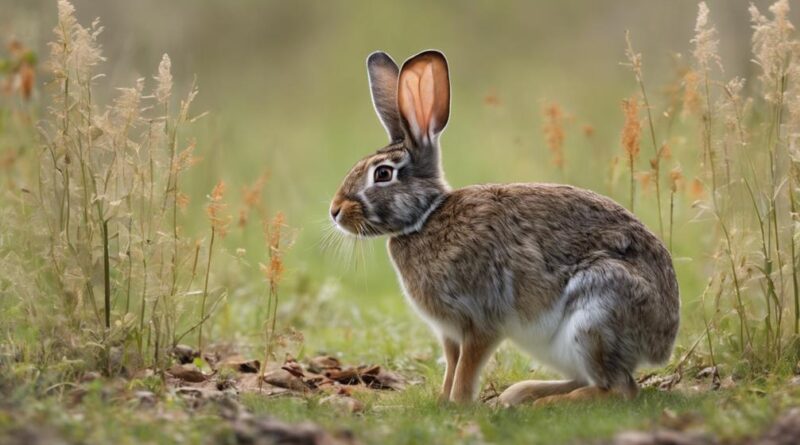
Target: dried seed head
[[164, 80], [675, 178], [697, 189], [632, 129], [645, 179], [215, 209], [274, 233], [554, 133], [705, 41], [251, 199], [773, 45], [634, 58], [27, 79], [691, 96]]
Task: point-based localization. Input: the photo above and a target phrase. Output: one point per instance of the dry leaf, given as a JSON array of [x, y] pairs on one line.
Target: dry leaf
[[240, 364], [285, 379], [187, 373]]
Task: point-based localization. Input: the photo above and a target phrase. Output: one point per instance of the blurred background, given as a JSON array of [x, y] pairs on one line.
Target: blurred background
[[286, 88]]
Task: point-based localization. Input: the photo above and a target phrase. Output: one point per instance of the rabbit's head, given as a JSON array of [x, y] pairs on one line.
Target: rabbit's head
[[394, 190]]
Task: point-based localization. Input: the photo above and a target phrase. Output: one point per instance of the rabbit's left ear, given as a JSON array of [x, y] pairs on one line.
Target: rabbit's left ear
[[383, 72], [423, 96]]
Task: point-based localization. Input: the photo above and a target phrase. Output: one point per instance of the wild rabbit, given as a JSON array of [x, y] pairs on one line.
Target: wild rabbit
[[568, 275]]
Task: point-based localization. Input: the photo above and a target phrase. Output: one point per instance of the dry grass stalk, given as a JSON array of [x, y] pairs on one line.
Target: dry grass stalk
[[631, 136], [635, 63], [278, 240], [219, 228], [95, 211], [675, 181]]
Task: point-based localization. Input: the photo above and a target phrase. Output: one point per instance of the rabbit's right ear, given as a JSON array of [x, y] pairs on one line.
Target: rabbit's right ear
[[424, 96], [383, 74]]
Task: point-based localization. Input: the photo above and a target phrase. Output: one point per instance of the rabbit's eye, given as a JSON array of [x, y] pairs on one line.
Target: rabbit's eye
[[383, 173]]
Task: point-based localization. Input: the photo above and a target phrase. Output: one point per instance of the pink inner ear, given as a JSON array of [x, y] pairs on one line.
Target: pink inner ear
[[427, 96], [410, 92], [418, 98]]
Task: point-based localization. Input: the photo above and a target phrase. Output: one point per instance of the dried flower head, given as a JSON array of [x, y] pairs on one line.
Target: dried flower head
[[634, 58], [691, 95], [164, 80], [675, 178], [27, 79], [697, 189], [215, 209], [251, 199], [182, 200], [773, 46], [632, 129], [554, 133], [274, 232], [705, 41], [185, 159], [645, 179]]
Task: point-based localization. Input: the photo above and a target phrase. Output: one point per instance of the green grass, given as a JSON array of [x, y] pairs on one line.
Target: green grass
[[297, 107], [414, 416]]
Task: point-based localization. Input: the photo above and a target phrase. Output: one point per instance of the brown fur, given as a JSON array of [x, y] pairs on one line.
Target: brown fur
[[570, 275]]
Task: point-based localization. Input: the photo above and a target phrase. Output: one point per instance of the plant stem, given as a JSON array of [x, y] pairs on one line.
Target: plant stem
[[205, 291], [657, 162], [633, 182], [106, 276]]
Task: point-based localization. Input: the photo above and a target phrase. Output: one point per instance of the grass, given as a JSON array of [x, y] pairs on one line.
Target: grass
[[107, 260], [414, 417]]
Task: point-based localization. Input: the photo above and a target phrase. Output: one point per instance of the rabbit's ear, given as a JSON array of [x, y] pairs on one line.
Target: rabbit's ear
[[383, 73], [424, 96]]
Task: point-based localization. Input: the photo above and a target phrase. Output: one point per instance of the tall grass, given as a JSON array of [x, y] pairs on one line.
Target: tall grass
[[95, 266], [93, 253], [748, 159]]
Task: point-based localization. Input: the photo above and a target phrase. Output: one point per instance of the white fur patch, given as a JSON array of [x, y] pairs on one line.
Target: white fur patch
[[551, 338], [421, 221]]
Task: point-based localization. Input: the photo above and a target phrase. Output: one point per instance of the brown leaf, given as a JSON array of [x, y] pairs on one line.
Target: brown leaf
[[377, 378], [296, 369], [240, 364], [346, 376], [285, 379], [187, 373], [252, 383]]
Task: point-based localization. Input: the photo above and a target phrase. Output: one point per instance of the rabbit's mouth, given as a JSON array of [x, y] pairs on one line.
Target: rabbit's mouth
[[348, 217], [361, 229]]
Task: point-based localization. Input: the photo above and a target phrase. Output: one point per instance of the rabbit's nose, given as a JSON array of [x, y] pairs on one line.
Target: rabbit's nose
[[335, 212]]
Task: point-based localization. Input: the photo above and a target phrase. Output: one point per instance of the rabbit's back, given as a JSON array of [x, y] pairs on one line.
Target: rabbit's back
[[494, 253]]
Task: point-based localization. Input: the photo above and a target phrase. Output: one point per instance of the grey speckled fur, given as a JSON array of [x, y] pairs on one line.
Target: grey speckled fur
[[569, 275]]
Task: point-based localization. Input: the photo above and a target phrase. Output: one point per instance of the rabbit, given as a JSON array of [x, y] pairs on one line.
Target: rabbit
[[570, 276]]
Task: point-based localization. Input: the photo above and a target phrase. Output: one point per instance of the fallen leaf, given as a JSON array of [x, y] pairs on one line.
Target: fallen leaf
[[187, 373], [377, 378], [285, 379], [240, 364], [346, 376]]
